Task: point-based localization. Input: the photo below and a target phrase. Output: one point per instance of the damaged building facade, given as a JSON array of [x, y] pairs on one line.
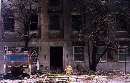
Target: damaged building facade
[[60, 29]]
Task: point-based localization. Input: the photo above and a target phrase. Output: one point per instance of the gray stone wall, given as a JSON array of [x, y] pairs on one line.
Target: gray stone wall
[[12, 40]]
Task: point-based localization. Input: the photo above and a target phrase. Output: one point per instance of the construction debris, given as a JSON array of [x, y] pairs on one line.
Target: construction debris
[[71, 79], [120, 77]]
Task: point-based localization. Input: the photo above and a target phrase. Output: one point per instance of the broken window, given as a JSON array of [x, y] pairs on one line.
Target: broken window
[[76, 22], [34, 22], [8, 20], [78, 52], [54, 22]]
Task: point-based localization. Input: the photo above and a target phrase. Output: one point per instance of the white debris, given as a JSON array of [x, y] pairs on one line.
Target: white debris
[[73, 79]]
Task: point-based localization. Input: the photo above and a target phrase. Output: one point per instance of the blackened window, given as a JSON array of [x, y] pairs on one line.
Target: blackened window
[[54, 2], [78, 52], [8, 20], [121, 23], [76, 22], [54, 22], [34, 22]]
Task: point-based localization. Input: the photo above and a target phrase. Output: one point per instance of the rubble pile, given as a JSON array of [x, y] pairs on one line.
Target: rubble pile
[[71, 79], [110, 77]]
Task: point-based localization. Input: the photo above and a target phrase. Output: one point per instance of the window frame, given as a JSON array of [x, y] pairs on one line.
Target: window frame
[[56, 4], [101, 60], [123, 47], [81, 19], [33, 22], [78, 53], [8, 18], [50, 24]]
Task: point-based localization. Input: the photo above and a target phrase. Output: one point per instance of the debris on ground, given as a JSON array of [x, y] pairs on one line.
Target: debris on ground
[[110, 77]]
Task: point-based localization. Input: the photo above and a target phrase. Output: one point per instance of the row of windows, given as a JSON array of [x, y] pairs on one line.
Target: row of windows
[[78, 53], [55, 18], [9, 21], [55, 22]]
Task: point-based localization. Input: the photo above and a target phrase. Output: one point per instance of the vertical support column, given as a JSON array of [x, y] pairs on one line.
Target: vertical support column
[[67, 32], [44, 52], [44, 20]]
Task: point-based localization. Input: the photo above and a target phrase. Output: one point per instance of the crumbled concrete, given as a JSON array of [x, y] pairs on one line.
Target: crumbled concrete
[[72, 79]]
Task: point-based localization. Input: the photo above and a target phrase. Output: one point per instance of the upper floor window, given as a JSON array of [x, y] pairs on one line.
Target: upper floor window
[[76, 22], [34, 22], [8, 20], [78, 53], [54, 2], [122, 24], [54, 22]]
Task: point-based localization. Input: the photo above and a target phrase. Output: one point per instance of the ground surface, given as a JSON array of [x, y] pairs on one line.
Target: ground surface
[[72, 79]]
